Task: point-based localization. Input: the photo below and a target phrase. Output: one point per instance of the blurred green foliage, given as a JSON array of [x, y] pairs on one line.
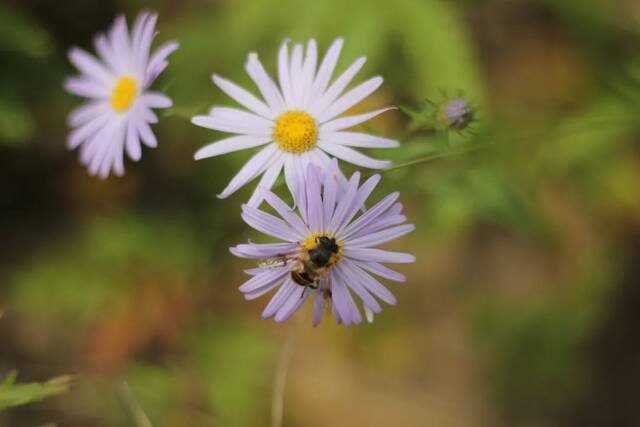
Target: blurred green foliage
[[16, 394]]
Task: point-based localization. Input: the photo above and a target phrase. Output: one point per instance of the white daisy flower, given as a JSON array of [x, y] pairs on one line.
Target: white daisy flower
[[117, 114], [297, 122]]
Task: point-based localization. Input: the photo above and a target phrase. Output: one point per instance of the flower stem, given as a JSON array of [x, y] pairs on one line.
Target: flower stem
[[435, 156], [280, 377]]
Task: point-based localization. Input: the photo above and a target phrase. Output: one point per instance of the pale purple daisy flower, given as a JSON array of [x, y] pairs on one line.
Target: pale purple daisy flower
[[297, 121], [325, 212], [117, 114]]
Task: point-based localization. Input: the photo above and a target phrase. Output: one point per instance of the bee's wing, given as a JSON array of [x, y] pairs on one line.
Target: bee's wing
[[274, 262]]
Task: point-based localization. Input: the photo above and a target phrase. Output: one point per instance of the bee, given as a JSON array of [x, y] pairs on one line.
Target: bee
[[310, 264]]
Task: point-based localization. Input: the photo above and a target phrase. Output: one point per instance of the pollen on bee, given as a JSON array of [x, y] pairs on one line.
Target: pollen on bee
[[124, 93], [295, 132]]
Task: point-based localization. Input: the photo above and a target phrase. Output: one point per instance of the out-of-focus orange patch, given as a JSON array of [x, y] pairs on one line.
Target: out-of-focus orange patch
[[150, 320]]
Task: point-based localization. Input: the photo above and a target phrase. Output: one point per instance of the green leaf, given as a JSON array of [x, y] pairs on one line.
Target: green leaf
[[16, 122], [16, 394], [18, 33]]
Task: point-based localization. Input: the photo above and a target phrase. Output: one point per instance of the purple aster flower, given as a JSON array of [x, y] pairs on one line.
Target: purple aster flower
[[328, 250], [119, 105]]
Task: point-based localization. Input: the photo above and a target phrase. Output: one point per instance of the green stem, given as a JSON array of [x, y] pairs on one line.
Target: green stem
[[436, 156]]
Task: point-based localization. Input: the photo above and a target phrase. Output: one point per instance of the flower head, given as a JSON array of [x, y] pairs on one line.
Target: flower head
[[456, 114], [328, 249], [117, 114], [296, 123]]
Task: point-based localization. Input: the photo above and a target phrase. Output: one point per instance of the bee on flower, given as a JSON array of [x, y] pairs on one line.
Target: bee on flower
[[119, 108], [329, 250]]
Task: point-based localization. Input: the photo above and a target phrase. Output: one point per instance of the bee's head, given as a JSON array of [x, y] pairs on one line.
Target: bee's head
[[328, 243]]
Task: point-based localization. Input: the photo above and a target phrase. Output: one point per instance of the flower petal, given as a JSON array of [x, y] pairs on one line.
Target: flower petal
[[283, 74], [156, 100], [229, 145], [370, 283], [265, 84], [279, 298], [90, 66], [349, 99], [254, 167], [352, 156], [308, 71], [378, 255], [320, 104], [380, 270], [234, 121], [326, 69], [158, 61], [350, 121], [263, 250], [360, 140], [268, 224], [287, 213], [266, 182], [243, 97], [369, 215], [380, 237]]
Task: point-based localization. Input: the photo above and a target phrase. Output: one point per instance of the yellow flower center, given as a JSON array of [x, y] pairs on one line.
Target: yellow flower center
[[313, 240], [124, 93], [295, 132]]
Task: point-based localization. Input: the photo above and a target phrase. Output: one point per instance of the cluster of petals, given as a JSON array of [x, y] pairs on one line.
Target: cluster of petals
[[119, 108], [303, 87], [325, 208]]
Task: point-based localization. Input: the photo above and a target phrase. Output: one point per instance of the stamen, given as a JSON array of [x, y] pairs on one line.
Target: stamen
[[124, 93], [295, 132]]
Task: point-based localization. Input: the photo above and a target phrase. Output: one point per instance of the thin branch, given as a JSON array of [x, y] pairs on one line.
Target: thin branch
[[130, 400], [280, 380]]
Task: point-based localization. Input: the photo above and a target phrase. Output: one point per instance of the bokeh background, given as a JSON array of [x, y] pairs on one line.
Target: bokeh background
[[522, 310]]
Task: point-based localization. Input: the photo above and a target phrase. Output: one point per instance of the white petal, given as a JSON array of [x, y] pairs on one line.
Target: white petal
[[143, 49], [146, 134], [254, 167], [156, 100], [86, 112], [358, 139], [119, 39], [350, 99], [308, 71], [380, 237], [136, 32], [296, 75], [243, 97], [229, 145], [158, 62], [233, 121], [266, 182], [105, 50], [283, 74], [90, 66], [82, 133], [265, 84], [86, 88], [352, 156], [350, 121], [336, 88], [326, 70], [378, 255], [132, 145]]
